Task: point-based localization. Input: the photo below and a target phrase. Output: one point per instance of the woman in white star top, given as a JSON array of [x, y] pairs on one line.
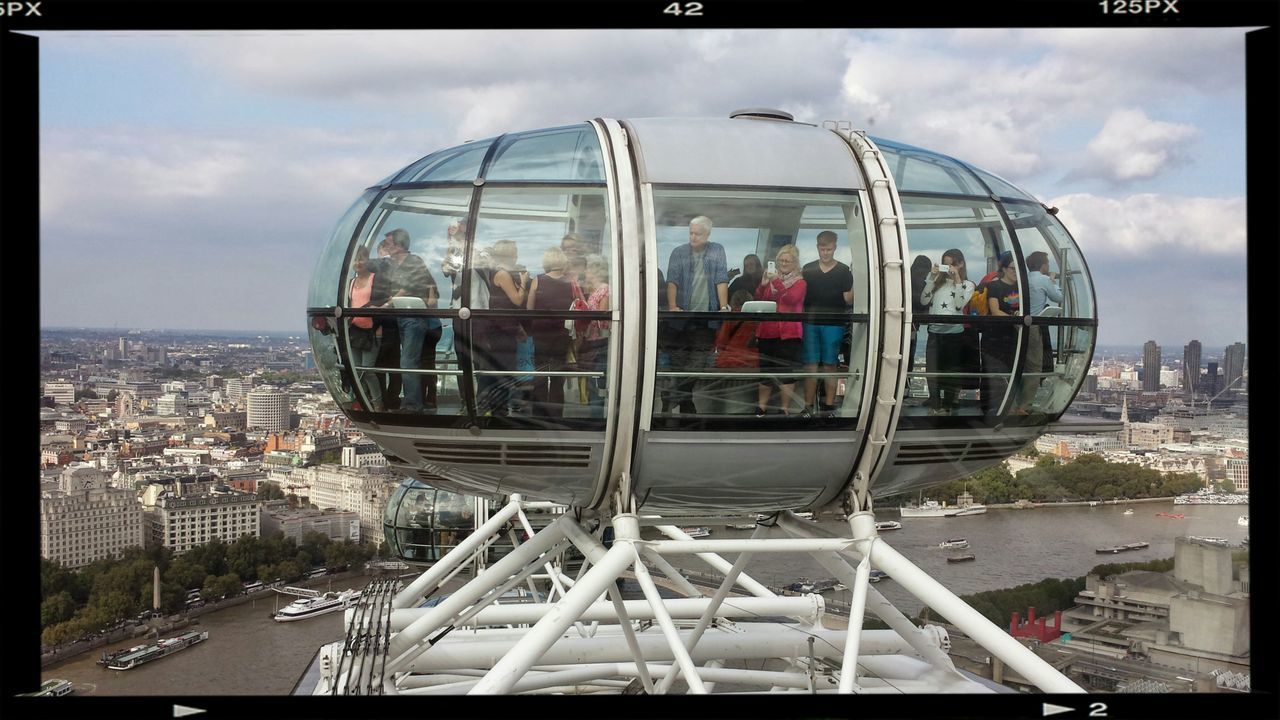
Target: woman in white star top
[[946, 291]]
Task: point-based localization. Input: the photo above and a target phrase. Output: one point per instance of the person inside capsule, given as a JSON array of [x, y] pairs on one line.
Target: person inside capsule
[[495, 338], [828, 289], [697, 281], [409, 279], [947, 289], [779, 341], [553, 289]]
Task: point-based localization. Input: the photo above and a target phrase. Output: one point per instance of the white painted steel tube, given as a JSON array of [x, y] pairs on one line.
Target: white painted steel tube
[[849, 668], [433, 575], [674, 641], [780, 545], [805, 606], [672, 574], [476, 650], [876, 601], [516, 662], [468, 594], [716, 562], [971, 622]]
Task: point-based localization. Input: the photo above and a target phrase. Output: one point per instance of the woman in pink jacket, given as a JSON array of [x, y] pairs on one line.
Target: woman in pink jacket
[[779, 342]]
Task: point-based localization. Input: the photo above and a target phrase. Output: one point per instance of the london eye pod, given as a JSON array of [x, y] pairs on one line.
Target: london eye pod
[[641, 391], [610, 383]]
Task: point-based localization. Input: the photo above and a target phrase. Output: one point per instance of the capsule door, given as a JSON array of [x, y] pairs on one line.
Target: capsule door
[[737, 415]]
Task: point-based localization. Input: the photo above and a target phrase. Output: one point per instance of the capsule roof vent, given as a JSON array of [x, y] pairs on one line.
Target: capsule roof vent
[[762, 114]]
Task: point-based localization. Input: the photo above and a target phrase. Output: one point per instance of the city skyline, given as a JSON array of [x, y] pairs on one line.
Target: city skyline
[[223, 160]]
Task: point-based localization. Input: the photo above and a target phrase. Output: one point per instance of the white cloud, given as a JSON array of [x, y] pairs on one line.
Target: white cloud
[[1132, 146], [1146, 225]]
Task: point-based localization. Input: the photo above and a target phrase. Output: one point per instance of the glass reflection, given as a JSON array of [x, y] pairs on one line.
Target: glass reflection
[[422, 522]]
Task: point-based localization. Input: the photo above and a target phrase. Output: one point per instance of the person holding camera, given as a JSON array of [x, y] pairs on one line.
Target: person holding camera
[[946, 291]]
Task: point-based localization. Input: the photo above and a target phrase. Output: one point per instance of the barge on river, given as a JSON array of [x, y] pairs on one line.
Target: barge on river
[[135, 656], [1122, 548]]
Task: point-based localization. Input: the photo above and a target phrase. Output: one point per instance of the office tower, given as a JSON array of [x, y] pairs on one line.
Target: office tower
[[268, 410], [1233, 366], [1211, 380], [1150, 366], [124, 347], [1191, 367]]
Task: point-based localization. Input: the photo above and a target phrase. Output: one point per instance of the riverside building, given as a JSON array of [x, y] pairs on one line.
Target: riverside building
[[181, 521], [80, 526]]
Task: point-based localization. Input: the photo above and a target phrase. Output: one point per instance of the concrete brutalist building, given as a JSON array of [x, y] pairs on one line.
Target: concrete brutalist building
[[1195, 618]]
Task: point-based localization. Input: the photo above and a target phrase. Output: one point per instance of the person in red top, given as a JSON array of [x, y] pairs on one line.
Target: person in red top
[[735, 352], [780, 341]]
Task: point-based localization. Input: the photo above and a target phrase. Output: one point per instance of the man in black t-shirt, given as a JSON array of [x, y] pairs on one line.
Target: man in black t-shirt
[[829, 288]]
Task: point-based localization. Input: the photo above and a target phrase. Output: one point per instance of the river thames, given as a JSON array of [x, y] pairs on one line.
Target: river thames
[[247, 653]]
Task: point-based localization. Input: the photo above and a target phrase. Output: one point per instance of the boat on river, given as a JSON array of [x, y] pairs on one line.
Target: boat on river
[[320, 604], [961, 558], [1122, 548], [1173, 516], [696, 532], [933, 509], [140, 654], [1243, 521], [1205, 496], [954, 543], [888, 525], [53, 687], [1128, 511]]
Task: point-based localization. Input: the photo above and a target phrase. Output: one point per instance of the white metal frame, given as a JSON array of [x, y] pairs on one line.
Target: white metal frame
[[586, 639]]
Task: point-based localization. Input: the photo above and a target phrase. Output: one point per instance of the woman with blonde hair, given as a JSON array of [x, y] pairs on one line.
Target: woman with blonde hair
[[592, 336], [779, 342]]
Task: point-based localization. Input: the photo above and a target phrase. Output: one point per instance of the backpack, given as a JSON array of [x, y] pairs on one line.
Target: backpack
[[978, 304]]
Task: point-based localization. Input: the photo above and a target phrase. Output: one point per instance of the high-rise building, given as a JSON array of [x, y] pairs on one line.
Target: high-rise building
[[1150, 366], [1191, 368], [1233, 366], [124, 347], [1211, 383], [268, 409]]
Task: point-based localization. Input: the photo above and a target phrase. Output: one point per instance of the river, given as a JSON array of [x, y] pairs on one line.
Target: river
[[249, 654]]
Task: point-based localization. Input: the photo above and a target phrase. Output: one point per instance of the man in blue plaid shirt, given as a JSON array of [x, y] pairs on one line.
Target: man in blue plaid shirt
[[697, 281]]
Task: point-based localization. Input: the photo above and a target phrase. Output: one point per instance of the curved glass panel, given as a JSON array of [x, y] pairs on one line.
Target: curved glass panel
[[748, 365], [1065, 290], [917, 170], [564, 153], [456, 164], [1066, 355], [532, 247], [956, 368], [424, 281], [1000, 186], [324, 350], [328, 268], [422, 523]]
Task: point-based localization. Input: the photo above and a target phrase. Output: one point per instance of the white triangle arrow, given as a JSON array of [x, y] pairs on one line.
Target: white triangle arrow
[[183, 711], [1051, 709]]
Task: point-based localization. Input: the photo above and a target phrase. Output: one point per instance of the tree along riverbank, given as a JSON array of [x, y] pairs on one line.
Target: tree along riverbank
[[1031, 504], [167, 624]]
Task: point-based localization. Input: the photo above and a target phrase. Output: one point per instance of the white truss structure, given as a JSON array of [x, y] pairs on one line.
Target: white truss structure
[[586, 639]]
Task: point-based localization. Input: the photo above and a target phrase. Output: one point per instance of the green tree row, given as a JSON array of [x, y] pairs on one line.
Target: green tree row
[[1088, 477], [1049, 595], [76, 604]]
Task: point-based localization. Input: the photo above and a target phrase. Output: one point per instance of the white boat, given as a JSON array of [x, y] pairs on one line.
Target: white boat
[[696, 532], [804, 515], [54, 687], [319, 605], [1128, 511], [1243, 521], [888, 525], [954, 543], [1211, 540], [1204, 496], [932, 508], [741, 526]]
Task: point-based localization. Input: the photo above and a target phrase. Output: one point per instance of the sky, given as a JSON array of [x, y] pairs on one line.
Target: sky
[[190, 180]]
